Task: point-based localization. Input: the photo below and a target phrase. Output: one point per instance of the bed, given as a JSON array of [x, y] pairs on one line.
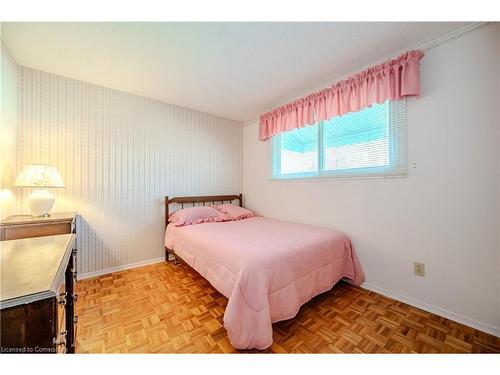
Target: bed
[[266, 268]]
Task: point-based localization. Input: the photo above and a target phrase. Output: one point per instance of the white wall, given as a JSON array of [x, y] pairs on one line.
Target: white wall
[[445, 213], [8, 132], [119, 155]]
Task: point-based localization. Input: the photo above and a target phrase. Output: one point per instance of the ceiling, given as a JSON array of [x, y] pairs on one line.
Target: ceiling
[[235, 70]]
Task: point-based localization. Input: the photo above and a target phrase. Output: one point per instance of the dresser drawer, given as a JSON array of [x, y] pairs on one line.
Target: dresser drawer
[[24, 226], [28, 328], [15, 232]]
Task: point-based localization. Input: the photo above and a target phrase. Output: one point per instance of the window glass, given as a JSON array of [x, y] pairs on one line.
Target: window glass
[[299, 150], [365, 143]]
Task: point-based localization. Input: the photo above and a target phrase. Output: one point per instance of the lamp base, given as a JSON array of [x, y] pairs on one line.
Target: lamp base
[[41, 202]]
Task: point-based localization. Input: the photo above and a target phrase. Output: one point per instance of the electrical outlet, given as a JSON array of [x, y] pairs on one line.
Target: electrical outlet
[[419, 269]]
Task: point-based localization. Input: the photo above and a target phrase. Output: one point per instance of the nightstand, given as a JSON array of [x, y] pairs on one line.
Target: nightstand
[[25, 226]]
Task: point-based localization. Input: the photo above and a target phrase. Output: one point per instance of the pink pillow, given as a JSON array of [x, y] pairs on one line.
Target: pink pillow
[[236, 212], [197, 215]]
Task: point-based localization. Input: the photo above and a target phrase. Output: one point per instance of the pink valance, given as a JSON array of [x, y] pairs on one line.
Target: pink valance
[[393, 79]]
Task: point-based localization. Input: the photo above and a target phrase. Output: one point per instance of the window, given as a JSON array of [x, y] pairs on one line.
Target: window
[[371, 142]]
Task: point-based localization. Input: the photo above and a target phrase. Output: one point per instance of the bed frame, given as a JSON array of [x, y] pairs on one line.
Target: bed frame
[[203, 200]]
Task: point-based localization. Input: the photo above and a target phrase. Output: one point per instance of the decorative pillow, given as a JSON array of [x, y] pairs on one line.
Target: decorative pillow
[[236, 212], [197, 215]]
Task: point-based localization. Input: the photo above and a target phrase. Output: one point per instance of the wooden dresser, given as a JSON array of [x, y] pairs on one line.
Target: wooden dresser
[[37, 300], [23, 226]]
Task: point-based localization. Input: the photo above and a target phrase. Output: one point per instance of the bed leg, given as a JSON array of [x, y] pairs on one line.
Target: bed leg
[[169, 252]]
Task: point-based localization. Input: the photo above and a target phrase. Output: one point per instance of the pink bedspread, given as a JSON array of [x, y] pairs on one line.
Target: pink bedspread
[[266, 268]]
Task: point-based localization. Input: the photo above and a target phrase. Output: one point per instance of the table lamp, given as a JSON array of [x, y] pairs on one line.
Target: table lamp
[[40, 177]]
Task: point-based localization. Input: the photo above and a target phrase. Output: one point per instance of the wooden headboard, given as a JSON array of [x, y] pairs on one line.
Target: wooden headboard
[[204, 199]]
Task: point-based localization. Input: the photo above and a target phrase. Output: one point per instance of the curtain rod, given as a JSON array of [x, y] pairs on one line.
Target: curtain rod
[[424, 46]]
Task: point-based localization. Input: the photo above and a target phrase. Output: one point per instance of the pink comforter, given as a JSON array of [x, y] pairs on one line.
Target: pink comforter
[[266, 268]]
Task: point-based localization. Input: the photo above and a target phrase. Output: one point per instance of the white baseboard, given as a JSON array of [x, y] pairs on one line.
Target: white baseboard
[[124, 267], [435, 310]]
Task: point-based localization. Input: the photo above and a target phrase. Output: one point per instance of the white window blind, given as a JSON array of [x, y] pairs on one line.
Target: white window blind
[[371, 142]]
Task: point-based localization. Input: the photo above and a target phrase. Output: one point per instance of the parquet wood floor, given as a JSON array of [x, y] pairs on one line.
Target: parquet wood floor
[[164, 308]]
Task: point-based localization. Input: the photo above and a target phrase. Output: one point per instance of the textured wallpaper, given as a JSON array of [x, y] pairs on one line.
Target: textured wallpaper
[[119, 155]]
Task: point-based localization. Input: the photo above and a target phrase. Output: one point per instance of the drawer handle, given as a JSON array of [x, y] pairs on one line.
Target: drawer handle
[[62, 298], [61, 339], [75, 297], [75, 260], [75, 320]]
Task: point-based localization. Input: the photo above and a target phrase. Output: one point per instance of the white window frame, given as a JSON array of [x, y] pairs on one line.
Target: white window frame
[[397, 127]]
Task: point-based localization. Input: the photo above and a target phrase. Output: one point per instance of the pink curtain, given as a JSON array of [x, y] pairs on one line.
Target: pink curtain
[[393, 79]]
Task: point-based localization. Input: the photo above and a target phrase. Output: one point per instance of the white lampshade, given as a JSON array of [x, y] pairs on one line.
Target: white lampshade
[[39, 176]]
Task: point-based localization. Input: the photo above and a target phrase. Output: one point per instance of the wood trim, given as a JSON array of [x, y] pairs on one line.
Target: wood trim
[[205, 199], [167, 202]]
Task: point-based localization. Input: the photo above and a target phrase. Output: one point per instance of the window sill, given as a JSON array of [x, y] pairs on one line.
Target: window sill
[[330, 178]]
